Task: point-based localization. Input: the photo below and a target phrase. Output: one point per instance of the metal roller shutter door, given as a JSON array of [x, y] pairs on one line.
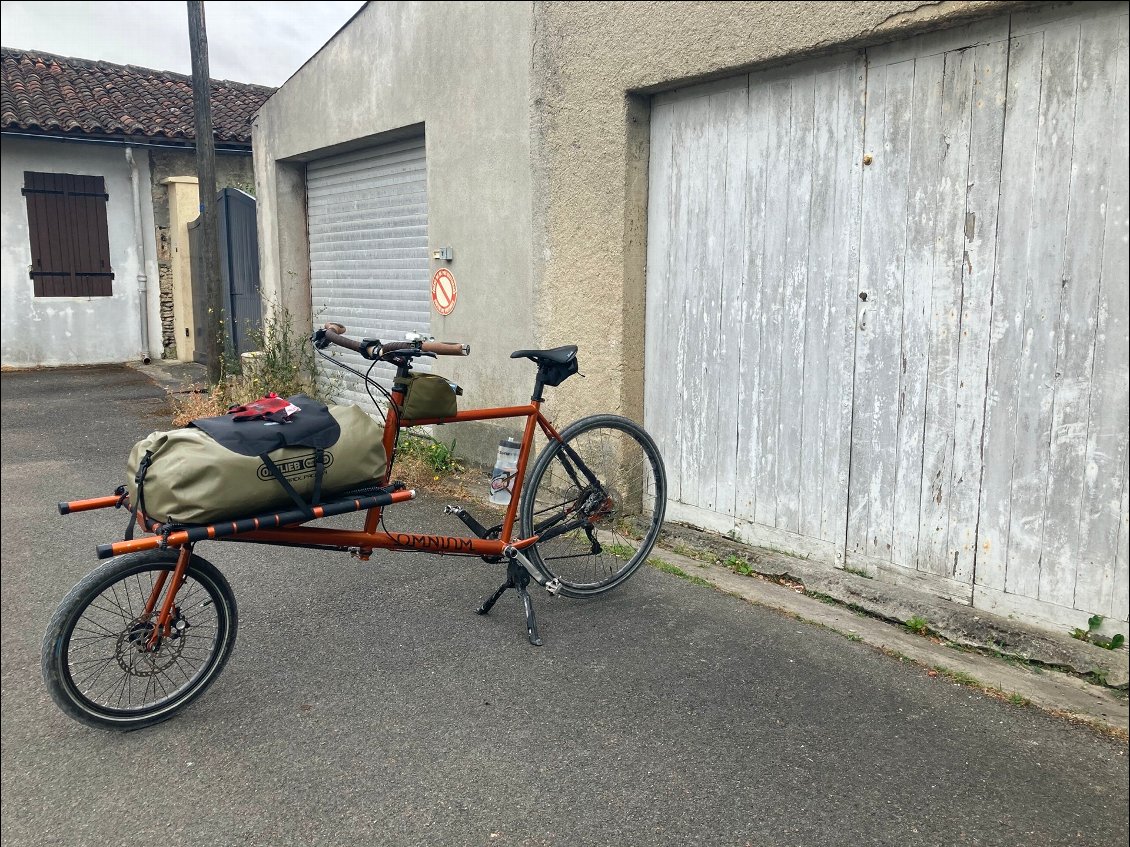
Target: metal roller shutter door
[[368, 228]]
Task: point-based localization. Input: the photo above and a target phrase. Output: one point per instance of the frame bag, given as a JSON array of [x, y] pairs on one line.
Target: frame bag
[[429, 396]]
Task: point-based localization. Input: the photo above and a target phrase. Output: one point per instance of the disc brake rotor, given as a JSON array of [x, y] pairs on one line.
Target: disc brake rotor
[[134, 656]]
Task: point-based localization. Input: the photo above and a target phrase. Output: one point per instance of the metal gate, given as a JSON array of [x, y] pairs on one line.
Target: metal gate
[[239, 272], [892, 286], [368, 229]]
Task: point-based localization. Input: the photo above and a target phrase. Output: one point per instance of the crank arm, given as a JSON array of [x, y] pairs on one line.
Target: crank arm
[[535, 574]]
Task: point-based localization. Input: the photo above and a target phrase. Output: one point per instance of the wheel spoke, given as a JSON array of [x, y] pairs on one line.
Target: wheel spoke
[[622, 507], [110, 633]]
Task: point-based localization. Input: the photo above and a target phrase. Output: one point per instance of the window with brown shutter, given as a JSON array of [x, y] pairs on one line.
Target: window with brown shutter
[[70, 245]]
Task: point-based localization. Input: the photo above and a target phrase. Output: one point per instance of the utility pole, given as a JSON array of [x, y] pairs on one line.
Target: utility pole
[[206, 174]]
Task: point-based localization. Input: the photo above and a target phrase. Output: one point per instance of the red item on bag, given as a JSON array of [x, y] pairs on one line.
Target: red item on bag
[[270, 407]]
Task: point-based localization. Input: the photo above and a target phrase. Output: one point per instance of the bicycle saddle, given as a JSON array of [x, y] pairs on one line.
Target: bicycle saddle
[[555, 356]]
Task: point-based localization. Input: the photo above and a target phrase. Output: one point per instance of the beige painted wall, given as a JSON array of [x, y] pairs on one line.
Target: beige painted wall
[[183, 207], [593, 66]]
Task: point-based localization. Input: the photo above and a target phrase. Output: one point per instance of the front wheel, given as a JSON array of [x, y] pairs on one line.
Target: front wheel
[[100, 663], [598, 497]]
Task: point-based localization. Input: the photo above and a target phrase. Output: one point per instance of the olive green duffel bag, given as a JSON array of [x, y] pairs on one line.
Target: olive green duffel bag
[[429, 396], [218, 469]]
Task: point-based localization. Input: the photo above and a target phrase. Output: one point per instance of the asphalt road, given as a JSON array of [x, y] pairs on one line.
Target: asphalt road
[[366, 704]]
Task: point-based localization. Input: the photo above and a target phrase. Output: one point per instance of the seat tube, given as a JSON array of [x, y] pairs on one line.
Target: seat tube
[[520, 473]]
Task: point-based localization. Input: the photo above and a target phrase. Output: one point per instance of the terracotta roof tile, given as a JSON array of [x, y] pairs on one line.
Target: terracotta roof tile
[[57, 95]]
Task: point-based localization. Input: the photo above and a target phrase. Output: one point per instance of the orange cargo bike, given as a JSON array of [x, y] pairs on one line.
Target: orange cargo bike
[[144, 634]]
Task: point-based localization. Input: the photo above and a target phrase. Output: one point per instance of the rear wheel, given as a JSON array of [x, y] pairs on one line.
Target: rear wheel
[[598, 496], [98, 661]]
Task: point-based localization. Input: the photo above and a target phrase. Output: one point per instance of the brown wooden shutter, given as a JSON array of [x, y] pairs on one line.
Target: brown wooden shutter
[[70, 243]]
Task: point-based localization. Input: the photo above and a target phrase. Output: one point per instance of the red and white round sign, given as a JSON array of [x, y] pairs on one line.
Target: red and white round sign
[[444, 292]]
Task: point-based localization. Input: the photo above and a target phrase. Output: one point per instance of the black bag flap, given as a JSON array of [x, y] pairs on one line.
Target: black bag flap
[[311, 426]]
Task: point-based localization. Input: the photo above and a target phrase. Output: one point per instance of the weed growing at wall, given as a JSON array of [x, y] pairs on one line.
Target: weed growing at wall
[[283, 363], [1091, 634]]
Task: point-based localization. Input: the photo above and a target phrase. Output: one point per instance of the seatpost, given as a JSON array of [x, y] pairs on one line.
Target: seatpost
[[539, 388]]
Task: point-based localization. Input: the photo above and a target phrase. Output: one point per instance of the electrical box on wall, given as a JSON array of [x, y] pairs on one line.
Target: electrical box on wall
[[443, 254]]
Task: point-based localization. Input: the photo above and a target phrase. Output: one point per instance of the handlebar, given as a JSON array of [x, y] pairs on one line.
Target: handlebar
[[334, 333]]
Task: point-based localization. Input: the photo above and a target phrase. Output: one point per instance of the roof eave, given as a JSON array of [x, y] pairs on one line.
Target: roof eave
[[125, 139]]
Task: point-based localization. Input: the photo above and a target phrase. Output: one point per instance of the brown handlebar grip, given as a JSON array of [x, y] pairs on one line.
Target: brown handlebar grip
[[334, 337], [334, 327], [393, 346], [446, 348]]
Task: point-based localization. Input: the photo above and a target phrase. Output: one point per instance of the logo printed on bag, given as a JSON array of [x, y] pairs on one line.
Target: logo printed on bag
[[298, 467]]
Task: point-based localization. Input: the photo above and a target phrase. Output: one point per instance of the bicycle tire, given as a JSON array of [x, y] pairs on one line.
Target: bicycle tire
[[119, 576], [621, 553]]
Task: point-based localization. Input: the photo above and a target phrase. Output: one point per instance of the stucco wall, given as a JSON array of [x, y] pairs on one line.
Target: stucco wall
[[593, 65], [461, 71], [76, 330]]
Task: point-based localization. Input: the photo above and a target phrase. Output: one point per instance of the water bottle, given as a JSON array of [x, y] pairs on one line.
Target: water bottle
[[505, 466]]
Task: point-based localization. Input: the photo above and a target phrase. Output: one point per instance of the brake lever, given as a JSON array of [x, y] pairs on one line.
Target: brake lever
[[319, 339]]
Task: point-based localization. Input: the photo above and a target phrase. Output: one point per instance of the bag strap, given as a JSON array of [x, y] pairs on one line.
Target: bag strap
[[319, 471], [139, 479]]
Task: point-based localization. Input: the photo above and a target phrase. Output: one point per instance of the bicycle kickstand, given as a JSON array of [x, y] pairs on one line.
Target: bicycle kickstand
[[517, 577]]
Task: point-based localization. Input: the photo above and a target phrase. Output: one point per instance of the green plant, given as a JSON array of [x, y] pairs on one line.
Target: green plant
[[285, 359], [1017, 699], [738, 565], [416, 446], [826, 599], [284, 364], [1091, 634], [704, 556], [918, 625], [857, 572], [628, 528], [620, 551], [958, 677], [675, 570]]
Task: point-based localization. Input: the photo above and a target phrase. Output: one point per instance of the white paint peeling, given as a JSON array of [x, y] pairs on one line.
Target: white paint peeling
[[988, 404]]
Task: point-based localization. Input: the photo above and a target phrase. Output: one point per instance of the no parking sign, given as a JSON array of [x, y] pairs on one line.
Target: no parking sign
[[444, 291]]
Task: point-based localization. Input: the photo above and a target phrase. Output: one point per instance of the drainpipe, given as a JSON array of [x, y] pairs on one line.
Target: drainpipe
[[139, 239]]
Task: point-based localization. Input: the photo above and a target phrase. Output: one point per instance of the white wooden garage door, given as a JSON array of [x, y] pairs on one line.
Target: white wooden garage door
[[892, 289], [368, 228]]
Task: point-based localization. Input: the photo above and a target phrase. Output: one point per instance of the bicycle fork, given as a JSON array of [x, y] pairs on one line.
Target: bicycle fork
[[162, 627]]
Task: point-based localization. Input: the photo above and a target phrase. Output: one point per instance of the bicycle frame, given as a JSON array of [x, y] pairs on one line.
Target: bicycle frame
[[363, 542]]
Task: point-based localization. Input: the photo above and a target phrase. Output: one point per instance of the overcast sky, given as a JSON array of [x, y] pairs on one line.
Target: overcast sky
[[263, 42]]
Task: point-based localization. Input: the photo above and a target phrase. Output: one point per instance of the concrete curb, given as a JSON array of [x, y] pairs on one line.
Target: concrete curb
[[953, 622], [1059, 693], [174, 377]]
